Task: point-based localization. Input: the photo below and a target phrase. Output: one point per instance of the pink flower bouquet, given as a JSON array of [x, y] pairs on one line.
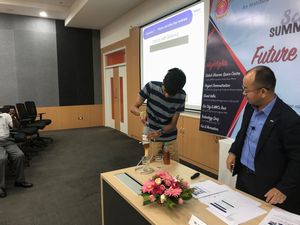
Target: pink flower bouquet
[[166, 190]]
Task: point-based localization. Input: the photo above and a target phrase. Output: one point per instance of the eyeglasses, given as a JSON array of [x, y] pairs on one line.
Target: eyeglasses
[[246, 91]]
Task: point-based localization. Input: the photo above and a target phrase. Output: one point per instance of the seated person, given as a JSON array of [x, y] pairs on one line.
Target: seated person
[[15, 121], [8, 148]]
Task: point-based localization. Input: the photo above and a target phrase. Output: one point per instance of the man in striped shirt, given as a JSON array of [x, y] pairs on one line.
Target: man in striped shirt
[[165, 101]]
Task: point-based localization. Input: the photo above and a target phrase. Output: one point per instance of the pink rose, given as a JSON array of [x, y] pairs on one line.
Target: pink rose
[[185, 184], [180, 201], [168, 183], [152, 198], [162, 187], [157, 191]]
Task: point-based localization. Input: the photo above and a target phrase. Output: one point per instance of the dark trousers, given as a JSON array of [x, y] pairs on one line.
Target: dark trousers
[[247, 182]]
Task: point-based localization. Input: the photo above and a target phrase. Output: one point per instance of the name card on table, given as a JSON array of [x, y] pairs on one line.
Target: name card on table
[[195, 221]]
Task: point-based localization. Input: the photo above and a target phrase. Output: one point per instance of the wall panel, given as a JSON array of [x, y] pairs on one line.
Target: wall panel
[[36, 66], [28, 66], [8, 77], [68, 117], [75, 65]]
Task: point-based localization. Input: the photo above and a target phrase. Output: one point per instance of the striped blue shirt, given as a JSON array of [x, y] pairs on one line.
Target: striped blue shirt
[[160, 109]]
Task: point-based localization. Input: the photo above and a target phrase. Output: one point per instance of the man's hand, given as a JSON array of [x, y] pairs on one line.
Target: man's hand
[[274, 196], [143, 117], [153, 135], [230, 162]]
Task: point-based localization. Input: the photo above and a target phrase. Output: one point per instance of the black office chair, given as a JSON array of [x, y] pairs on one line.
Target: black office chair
[[32, 111], [26, 119], [30, 121]]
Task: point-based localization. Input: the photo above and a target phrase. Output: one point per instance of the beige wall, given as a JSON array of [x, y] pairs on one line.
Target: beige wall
[[68, 117]]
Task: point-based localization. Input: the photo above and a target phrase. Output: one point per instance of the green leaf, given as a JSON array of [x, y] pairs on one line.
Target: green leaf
[[145, 196], [169, 203], [187, 194], [147, 202]]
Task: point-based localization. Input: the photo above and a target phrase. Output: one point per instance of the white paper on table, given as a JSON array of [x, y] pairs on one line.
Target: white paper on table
[[279, 216], [196, 221], [207, 188], [226, 220], [232, 197], [223, 208], [241, 216], [232, 206]]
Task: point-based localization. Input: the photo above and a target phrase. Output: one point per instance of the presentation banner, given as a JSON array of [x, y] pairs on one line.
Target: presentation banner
[[244, 34]]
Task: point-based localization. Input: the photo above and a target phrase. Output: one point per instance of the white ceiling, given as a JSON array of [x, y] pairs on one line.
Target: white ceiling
[[93, 14]]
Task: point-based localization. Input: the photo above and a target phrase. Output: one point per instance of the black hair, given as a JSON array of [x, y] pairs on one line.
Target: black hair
[[174, 81], [264, 77]]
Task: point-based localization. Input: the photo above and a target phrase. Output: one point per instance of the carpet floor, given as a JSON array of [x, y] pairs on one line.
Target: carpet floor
[[66, 178]]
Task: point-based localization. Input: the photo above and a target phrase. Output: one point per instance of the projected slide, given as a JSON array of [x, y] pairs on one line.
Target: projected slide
[[177, 40]]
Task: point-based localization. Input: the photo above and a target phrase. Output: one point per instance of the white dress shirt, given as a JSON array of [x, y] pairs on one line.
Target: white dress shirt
[[5, 123]]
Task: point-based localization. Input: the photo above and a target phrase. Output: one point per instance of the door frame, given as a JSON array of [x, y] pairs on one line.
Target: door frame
[[108, 74]]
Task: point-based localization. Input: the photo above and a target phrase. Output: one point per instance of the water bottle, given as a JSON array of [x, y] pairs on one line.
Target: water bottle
[[145, 140], [166, 153]]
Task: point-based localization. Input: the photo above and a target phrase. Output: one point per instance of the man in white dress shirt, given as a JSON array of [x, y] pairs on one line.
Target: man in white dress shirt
[[9, 150]]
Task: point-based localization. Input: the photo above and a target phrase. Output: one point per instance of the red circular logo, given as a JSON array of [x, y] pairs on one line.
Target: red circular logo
[[222, 8]]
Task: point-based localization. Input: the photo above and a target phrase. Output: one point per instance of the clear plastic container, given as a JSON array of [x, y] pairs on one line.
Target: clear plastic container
[[146, 130]]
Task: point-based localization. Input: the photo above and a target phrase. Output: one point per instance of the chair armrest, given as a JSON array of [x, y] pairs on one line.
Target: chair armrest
[[41, 115]]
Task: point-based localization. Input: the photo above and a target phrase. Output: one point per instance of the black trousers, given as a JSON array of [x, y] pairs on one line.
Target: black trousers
[[247, 182]]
